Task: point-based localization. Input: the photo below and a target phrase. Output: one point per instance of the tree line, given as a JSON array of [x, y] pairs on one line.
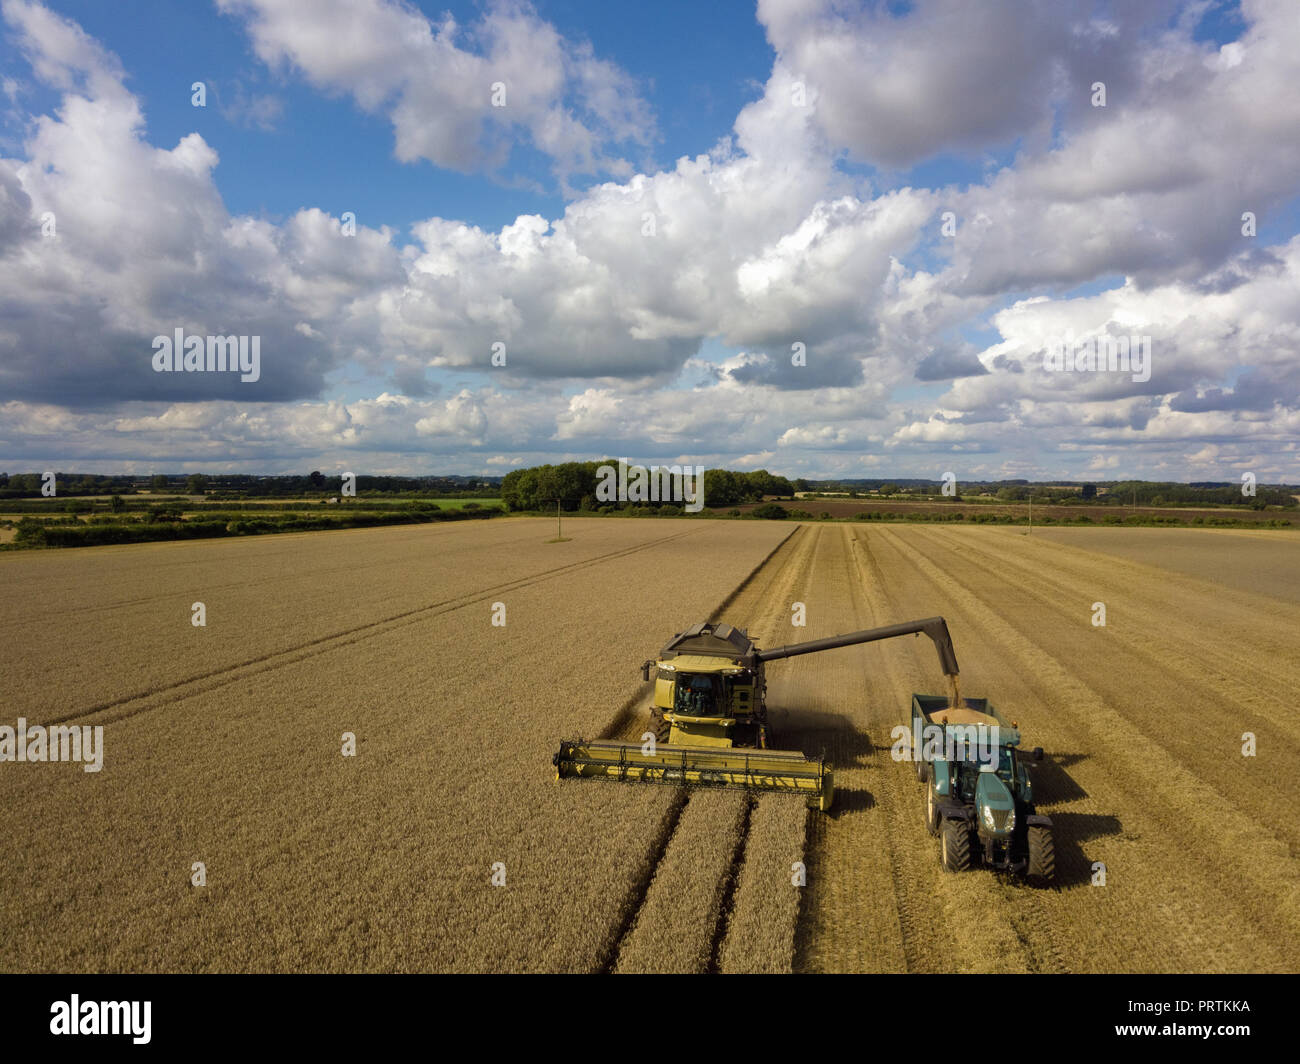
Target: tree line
[[573, 485], [245, 485]]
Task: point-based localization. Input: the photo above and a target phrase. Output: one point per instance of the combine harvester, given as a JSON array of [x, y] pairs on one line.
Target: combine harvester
[[708, 720]]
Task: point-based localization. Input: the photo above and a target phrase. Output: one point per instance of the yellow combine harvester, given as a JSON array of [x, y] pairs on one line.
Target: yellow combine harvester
[[708, 718]]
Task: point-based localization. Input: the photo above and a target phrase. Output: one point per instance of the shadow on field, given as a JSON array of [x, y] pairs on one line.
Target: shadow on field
[[1070, 831], [1052, 783], [819, 734], [851, 800], [826, 735]]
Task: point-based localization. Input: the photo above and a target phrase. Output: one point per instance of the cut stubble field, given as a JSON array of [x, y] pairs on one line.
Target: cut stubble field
[[222, 745]]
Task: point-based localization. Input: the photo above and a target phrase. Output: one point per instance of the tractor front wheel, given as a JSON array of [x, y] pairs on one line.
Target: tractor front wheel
[[955, 845], [1042, 853], [931, 811]]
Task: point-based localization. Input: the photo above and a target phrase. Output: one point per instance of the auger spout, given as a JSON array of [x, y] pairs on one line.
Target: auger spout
[[935, 627]]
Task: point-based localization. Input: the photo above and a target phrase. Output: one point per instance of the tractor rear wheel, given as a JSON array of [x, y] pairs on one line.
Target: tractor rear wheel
[[1042, 853], [931, 811], [661, 728], [954, 846]]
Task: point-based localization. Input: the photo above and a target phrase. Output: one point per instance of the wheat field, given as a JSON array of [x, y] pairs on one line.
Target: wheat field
[[446, 844]]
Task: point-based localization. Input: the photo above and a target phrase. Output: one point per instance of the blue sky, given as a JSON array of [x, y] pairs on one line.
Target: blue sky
[[698, 65], [822, 144]]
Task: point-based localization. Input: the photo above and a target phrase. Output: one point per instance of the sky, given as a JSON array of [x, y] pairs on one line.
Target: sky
[[827, 238]]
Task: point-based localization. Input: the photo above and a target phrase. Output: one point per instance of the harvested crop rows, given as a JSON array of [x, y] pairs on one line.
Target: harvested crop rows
[[222, 745], [378, 862], [1141, 720]]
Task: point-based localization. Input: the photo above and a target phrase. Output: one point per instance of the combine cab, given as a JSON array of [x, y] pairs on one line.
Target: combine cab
[[708, 716], [708, 689]]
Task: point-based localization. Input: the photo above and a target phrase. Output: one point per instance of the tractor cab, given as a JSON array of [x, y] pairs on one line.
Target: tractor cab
[[1008, 768]]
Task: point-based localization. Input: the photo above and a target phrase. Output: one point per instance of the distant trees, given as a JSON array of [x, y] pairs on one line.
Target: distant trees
[[1147, 492], [722, 487], [567, 483], [767, 484], [538, 487], [574, 484], [519, 489]]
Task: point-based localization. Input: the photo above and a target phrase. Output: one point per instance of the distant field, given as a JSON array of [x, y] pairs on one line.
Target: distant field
[[313, 506], [54, 526], [1020, 510], [143, 499], [362, 501], [1262, 561], [459, 504]]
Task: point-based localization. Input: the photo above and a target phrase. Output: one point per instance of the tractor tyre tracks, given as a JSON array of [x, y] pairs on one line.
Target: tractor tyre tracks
[[44, 615], [759, 603], [138, 702], [877, 897], [1125, 798], [940, 922]]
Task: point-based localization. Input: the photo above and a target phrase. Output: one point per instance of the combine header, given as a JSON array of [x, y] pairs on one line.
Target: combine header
[[708, 718], [756, 770]]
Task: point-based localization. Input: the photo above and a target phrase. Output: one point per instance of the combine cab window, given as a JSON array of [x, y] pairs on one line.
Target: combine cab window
[[697, 696]]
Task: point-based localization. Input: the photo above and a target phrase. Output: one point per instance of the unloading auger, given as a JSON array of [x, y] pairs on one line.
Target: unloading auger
[[708, 718]]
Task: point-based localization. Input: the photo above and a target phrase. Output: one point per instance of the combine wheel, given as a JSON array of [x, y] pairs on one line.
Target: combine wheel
[[955, 845], [659, 726], [1042, 853], [931, 811]]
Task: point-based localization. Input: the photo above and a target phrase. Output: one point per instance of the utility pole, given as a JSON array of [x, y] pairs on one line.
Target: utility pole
[[1031, 516]]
